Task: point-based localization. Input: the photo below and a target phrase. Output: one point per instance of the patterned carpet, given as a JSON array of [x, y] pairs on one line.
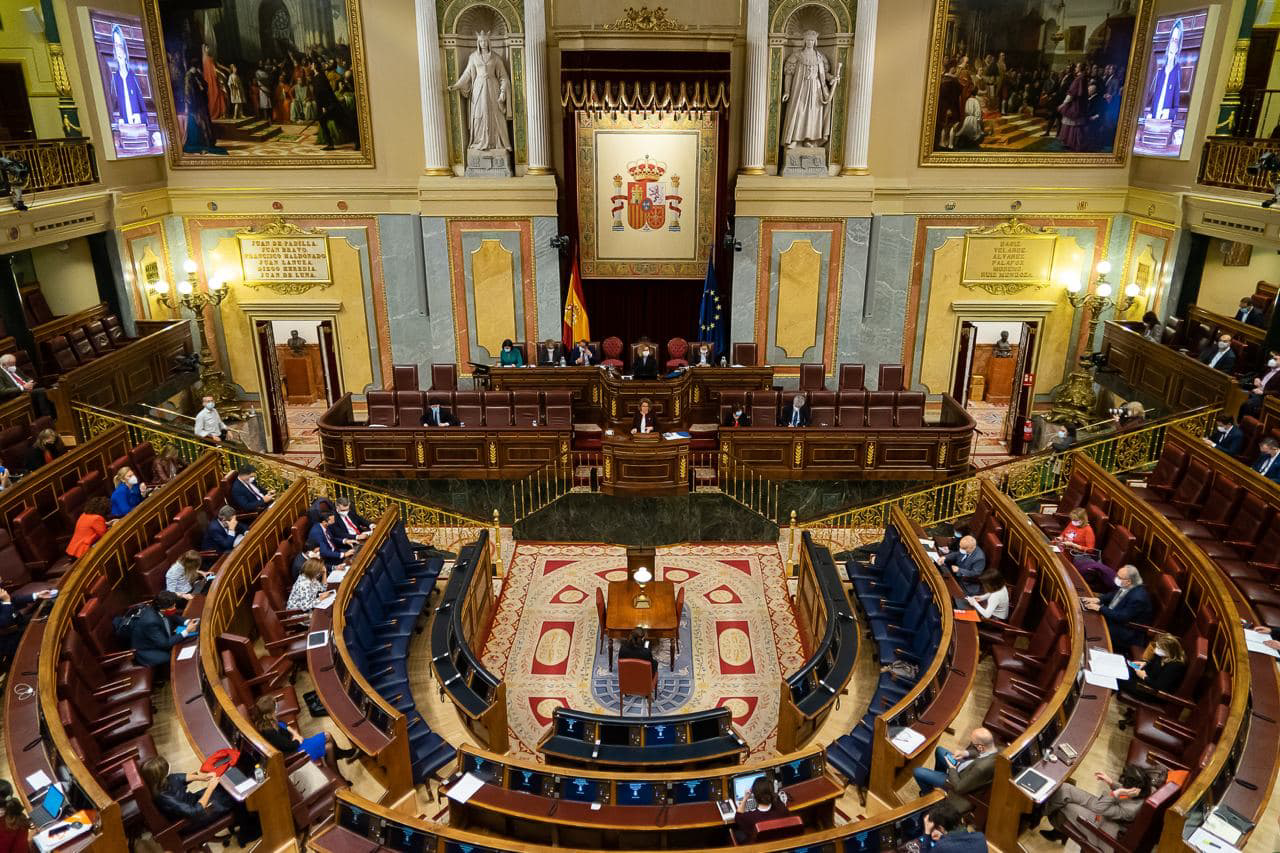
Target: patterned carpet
[[738, 636], [304, 435], [989, 417]]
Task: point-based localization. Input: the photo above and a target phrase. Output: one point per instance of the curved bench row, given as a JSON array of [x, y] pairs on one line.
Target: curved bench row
[[828, 628], [696, 739], [457, 633]]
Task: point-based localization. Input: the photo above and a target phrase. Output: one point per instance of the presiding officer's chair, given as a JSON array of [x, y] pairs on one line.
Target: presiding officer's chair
[[636, 678]]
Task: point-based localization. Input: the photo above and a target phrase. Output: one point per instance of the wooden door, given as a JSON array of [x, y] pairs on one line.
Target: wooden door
[[1023, 390], [964, 363], [274, 414], [329, 361], [15, 105]]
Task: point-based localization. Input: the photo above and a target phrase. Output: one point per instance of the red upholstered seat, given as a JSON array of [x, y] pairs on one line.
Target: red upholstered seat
[[880, 417], [98, 338], [612, 348], [80, 345], [444, 377], [404, 377], [911, 416], [822, 416], [745, 354], [677, 353], [497, 415]]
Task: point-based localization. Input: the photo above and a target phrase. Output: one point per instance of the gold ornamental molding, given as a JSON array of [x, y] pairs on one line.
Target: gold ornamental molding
[[1012, 228], [645, 20], [284, 257], [608, 96]]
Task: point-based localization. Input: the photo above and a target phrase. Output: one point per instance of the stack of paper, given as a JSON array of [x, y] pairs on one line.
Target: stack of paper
[[1106, 669], [1207, 841], [907, 740], [1256, 642], [465, 787]]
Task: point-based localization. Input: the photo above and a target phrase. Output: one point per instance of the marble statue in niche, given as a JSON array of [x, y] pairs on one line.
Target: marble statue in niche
[[807, 89], [487, 86]]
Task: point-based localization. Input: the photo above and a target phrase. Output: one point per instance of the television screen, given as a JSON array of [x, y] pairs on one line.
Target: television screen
[[1171, 77], [406, 839], [126, 94], [691, 791], [580, 790], [527, 781], [636, 794]]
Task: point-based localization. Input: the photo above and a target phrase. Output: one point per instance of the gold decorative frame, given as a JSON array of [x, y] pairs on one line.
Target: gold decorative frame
[[645, 20], [1119, 153], [1011, 230], [280, 229], [179, 159], [703, 193], [456, 229]]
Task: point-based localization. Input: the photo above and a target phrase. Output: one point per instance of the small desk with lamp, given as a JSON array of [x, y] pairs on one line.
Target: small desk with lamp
[[640, 601]]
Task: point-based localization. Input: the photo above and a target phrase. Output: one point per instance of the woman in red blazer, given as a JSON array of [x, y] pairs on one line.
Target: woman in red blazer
[[90, 526]]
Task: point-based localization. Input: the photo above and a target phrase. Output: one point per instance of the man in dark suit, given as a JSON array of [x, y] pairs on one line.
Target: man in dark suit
[[1121, 607], [636, 647], [13, 619], [967, 563], [643, 421], [795, 413], [1226, 436], [1219, 355], [300, 559], [645, 365], [962, 772], [153, 632], [224, 532], [549, 353], [738, 416], [349, 526], [1261, 386], [1249, 314], [438, 415], [1268, 462], [245, 494], [701, 357], [13, 382], [319, 537], [583, 355]]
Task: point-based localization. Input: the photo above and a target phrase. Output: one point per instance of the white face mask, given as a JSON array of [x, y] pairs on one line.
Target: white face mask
[[1119, 582], [209, 406], [1223, 345], [1271, 363], [1062, 434], [133, 481], [1160, 653]]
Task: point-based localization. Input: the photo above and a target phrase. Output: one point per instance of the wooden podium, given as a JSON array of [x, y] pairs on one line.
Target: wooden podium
[[644, 465]]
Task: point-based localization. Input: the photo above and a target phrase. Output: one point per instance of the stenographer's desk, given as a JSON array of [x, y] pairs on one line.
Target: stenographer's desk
[[603, 396], [644, 465]]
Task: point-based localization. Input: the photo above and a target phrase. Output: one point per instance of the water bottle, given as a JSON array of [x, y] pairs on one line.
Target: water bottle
[[562, 361], [723, 362]]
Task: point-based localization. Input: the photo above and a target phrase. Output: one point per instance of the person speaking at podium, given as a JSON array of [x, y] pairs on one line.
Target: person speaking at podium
[[645, 365], [642, 420]]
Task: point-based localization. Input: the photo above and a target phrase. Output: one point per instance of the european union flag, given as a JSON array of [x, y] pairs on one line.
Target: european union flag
[[712, 324]]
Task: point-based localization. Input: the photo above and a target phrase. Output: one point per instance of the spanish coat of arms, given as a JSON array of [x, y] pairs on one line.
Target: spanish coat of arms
[[647, 198]]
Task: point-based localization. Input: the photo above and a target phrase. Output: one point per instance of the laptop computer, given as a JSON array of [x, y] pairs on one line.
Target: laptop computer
[[50, 807]]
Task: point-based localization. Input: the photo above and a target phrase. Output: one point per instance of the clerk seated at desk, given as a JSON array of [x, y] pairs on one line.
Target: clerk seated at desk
[[642, 421], [549, 353], [437, 415], [739, 417], [795, 413], [583, 355], [510, 356], [636, 647], [645, 365], [702, 358]]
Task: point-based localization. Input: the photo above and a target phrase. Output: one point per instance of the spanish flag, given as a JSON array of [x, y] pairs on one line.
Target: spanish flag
[[576, 327]]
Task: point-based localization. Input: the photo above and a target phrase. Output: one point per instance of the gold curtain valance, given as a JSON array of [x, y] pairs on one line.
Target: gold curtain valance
[[606, 95]]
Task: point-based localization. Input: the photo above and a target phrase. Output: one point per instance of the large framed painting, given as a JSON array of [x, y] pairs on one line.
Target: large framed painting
[[646, 193], [1029, 84], [1174, 58], [261, 83]]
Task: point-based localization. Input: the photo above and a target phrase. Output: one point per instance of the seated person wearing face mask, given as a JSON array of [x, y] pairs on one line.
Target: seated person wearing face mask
[[208, 425], [438, 416], [1063, 439], [795, 413], [331, 551], [1268, 462], [1260, 386], [128, 492], [702, 357], [1078, 536], [549, 353], [645, 365], [582, 355], [966, 563], [738, 417], [1219, 355], [510, 356], [1249, 314], [1226, 436], [1129, 602], [1110, 811], [348, 526]]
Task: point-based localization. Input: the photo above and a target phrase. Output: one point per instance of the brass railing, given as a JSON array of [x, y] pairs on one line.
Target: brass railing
[[1226, 160], [1021, 479], [580, 470], [55, 164], [425, 523]]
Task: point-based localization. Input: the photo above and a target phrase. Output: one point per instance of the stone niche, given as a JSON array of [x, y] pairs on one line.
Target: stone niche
[[806, 131]]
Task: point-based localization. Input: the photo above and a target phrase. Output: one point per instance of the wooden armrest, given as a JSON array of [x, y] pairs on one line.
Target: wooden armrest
[[1014, 630], [1176, 729], [267, 679], [282, 646]]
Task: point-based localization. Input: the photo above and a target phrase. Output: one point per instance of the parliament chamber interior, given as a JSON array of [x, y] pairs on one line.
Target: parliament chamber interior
[[789, 426]]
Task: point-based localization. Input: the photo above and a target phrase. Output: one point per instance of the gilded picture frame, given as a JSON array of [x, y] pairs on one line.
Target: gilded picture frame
[[248, 117], [1014, 106]]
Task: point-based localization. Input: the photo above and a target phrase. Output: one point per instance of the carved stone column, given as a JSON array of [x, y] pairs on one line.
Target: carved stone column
[[756, 100], [535, 86], [857, 129], [434, 130]]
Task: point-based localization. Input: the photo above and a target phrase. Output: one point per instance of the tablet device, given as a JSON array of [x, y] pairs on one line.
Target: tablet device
[[742, 784], [317, 639], [1035, 784], [50, 808]]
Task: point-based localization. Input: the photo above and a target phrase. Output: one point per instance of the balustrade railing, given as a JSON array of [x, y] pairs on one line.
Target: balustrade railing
[[54, 164]]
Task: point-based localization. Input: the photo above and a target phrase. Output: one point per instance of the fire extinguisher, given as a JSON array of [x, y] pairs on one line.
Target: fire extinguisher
[[1026, 432]]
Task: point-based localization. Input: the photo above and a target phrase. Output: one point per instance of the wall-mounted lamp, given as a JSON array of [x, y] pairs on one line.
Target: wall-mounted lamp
[[212, 381]]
